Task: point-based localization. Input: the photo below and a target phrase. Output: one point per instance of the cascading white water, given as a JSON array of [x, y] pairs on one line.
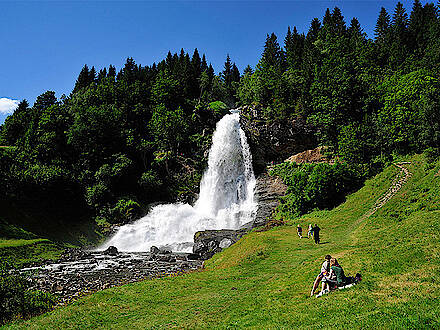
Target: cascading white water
[[226, 199]]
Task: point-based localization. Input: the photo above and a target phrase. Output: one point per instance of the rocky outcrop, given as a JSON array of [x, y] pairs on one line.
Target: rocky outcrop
[[209, 242], [268, 191], [316, 155], [274, 141]]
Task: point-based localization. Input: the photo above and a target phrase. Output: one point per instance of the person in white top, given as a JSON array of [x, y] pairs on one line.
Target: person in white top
[[325, 270], [310, 231]]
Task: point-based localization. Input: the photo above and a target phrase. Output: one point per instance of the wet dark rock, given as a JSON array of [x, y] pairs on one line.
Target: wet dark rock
[[276, 140], [154, 249], [193, 256], [268, 191], [111, 251], [74, 254], [164, 251], [209, 242]]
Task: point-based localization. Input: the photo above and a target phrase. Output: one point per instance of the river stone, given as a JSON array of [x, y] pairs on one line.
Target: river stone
[[154, 250], [225, 243], [111, 251], [207, 242]]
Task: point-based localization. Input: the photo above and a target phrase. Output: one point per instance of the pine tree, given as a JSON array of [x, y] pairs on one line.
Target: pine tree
[[111, 72], [315, 27], [399, 37], [248, 70], [382, 26], [102, 75], [83, 79], [227, 71], [235, 74], [400, 22], [294, 45], [92, 75], [272, 54], [203, 65], [338, 23], [169, 60], [327, 19], [129, 72], [196, 63]]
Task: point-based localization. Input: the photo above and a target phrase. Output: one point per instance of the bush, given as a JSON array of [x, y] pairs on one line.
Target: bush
[[16, 300], [315, 186], [125, 210], [219, 108]]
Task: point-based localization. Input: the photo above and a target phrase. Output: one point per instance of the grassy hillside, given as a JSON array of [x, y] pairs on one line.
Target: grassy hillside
[[264, 280]]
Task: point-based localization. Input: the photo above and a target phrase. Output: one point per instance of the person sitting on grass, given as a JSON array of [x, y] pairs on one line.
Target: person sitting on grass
[[336, 278], [325, 269]]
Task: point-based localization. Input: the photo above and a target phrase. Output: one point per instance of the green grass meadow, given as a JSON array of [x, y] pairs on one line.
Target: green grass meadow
[[264, 280]]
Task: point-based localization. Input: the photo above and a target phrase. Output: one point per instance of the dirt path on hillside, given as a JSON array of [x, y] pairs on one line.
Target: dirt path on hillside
[[400, 180]]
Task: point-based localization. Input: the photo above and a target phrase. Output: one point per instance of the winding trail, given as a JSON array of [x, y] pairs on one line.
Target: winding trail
[[400, 180]]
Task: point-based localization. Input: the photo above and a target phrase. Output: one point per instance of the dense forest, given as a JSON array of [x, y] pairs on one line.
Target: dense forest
[[122, 140]]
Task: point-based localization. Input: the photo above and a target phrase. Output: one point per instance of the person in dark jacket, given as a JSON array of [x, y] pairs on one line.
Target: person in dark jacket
[[316, 230]]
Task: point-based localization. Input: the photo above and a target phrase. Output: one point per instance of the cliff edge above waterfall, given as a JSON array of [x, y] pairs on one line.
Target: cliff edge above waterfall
[[274, 141]]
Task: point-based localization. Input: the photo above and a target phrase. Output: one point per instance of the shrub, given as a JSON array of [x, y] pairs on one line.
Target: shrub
[[219, 108], [315, 186], [125, 210], [16, 300]]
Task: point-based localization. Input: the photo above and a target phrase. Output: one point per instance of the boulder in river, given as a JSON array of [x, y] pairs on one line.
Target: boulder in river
[[111, 251], [209, 242], [154, 249]]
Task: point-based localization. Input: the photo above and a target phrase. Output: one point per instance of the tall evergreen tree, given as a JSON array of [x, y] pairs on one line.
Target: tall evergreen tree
[[272, 54], [196, 63], [111, 72], [102, 75], [83, 79], [92, 75], [382, 26], [227, 71], [204, 64], [294, 45], [248, 70], [338, 22], [399, 36]]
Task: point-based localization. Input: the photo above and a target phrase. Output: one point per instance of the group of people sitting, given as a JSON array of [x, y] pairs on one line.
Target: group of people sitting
[[313, 231], [332, 277]]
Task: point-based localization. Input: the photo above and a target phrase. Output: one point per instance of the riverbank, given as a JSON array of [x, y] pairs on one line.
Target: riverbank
[[78, 273], [264, 280]]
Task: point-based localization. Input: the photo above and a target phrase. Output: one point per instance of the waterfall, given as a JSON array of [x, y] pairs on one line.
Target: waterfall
[[226, 199]]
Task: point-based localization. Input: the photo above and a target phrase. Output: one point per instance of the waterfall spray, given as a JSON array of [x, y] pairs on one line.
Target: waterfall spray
[[226, 199]]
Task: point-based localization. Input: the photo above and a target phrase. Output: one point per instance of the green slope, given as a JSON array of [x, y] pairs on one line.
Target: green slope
[[264, 280]]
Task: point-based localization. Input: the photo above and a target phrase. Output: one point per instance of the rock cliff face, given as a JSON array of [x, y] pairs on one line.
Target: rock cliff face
[[268, 192], [274, 141]]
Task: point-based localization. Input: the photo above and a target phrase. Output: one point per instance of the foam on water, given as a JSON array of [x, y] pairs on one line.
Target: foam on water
[[226, 199]]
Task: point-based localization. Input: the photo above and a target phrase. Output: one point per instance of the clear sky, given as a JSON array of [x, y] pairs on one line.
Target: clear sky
[[44, 44]]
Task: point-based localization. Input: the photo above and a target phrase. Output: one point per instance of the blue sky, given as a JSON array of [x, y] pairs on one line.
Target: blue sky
[[44, 44]]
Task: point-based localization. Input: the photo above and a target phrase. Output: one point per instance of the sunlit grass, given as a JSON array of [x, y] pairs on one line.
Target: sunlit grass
[[264, 280]]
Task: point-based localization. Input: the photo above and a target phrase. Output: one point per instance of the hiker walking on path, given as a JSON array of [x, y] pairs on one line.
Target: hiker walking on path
[[316, 230], [310, 231], [299, 231]]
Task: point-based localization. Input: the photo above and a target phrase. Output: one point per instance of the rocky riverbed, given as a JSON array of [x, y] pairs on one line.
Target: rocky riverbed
[[81, 272]]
